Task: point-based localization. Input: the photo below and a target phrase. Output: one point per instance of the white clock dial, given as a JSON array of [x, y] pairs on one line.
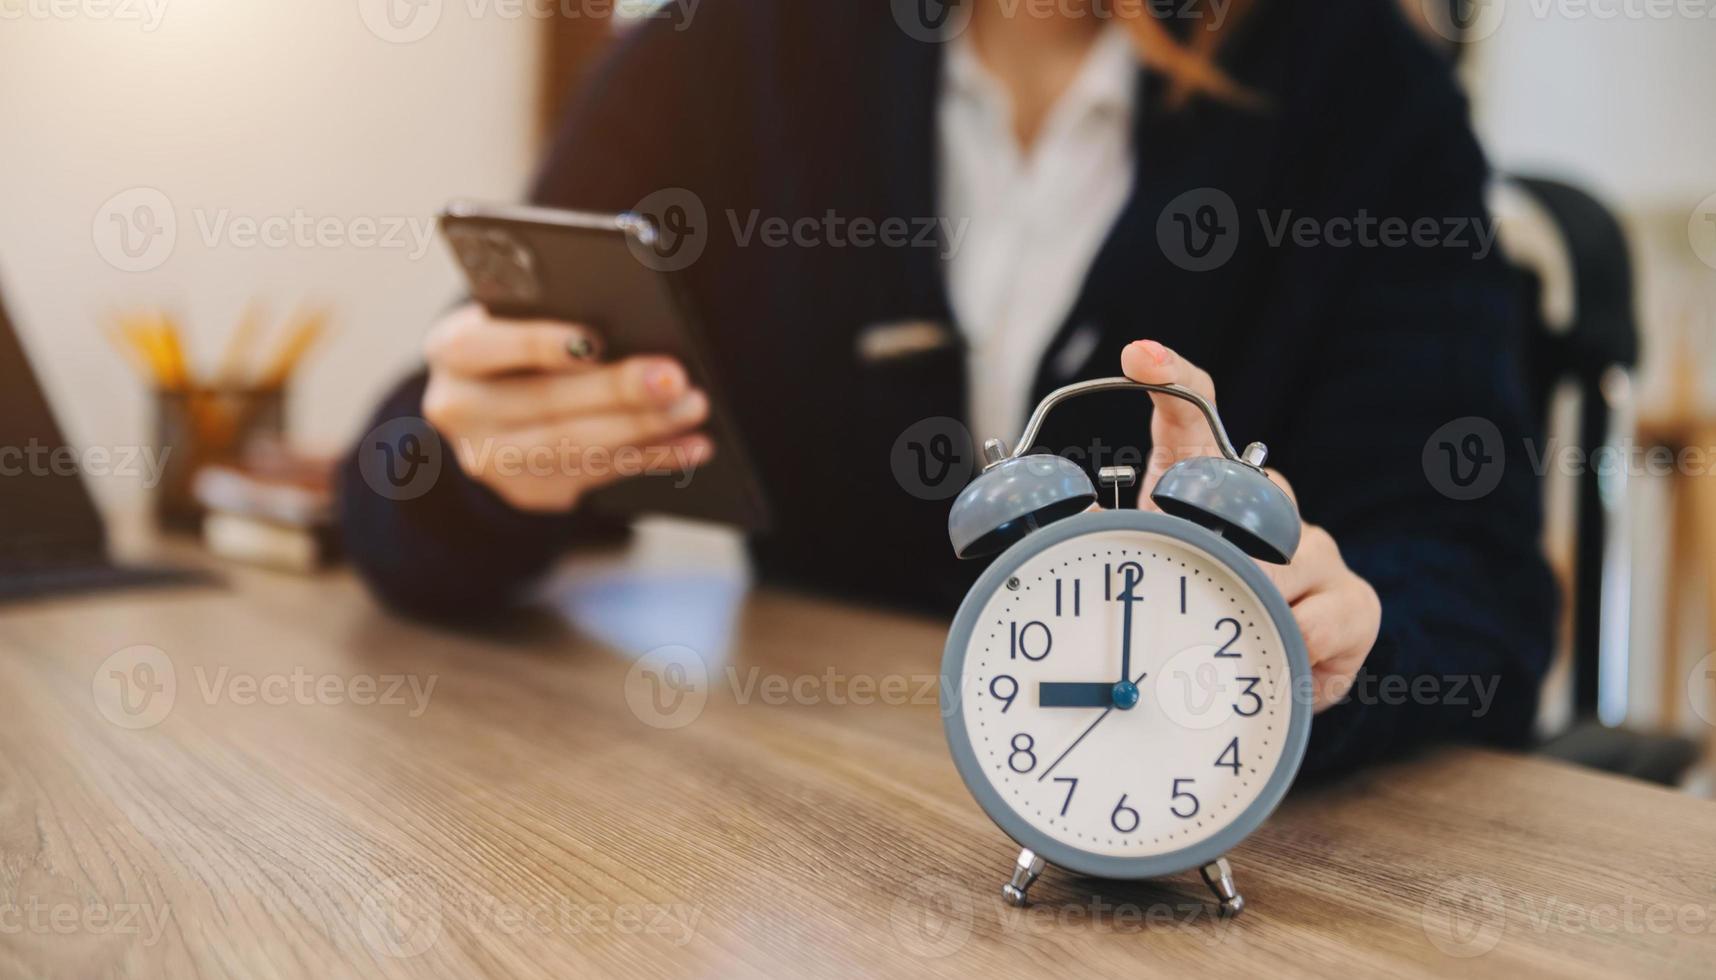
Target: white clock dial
[[1075, 757]]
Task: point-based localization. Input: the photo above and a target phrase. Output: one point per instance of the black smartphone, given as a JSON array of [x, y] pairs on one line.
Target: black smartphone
[[601, 270]]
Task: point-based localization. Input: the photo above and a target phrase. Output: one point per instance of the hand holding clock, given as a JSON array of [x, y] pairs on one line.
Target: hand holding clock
[[1337, 612]]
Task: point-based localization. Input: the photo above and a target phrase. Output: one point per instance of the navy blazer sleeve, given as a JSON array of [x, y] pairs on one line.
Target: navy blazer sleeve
[[1420, 350]]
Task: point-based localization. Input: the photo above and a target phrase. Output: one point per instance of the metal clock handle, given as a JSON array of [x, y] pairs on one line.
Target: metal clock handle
[[994, 450]]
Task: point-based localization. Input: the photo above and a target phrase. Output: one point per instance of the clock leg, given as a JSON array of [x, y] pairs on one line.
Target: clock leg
[[1219, 876], [1025, 872]]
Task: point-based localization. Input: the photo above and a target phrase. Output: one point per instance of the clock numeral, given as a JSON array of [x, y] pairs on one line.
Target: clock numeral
[[1131, 575], [1224, 651], [1072, 784], [1022, 751], [1249, 692], [1077, 596], [1180, 794], [1130, 815], [1021, 640], [1230, 753], [1012, 690], [1182, 595]]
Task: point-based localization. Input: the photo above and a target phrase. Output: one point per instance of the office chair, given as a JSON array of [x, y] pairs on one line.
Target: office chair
[[1576, 272]]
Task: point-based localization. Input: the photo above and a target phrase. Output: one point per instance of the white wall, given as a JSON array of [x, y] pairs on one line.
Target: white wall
[[259, 108], [1611, 92]]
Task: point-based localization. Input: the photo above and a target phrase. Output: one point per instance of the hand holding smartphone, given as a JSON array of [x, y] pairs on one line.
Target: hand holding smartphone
[[583, 367]]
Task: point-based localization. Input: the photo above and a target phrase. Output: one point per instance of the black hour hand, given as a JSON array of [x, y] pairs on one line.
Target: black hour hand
[[1075, 694]]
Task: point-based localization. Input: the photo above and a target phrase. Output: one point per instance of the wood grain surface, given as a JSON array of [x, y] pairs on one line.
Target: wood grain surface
[[314, 788]]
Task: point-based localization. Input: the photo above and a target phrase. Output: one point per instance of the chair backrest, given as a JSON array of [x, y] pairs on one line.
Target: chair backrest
[[1577, 269]]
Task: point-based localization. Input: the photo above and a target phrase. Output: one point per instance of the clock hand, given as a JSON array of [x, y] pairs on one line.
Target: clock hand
[[1075, 694], [1124, 693], [1088, 728], [1128, 582], [1126, 638], [1075, 742]]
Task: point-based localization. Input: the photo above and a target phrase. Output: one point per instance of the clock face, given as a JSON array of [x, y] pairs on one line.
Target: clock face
[[1124, 693]]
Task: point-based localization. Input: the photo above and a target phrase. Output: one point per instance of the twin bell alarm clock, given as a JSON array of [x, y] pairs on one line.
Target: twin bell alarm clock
[[1119, 685]]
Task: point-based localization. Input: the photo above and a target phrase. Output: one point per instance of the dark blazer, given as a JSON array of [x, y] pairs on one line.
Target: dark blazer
[[1343, 358]]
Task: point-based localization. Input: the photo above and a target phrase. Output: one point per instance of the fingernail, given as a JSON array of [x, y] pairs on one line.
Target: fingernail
[[1157, 352], [664, 381], [581, 348], [688, 408]]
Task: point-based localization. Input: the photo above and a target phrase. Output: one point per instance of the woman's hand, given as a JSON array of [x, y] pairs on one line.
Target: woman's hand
[[531, 412], [1338, 612]]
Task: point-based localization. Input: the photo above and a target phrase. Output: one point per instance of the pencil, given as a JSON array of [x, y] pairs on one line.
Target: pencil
[[238, 348], [298, 342]]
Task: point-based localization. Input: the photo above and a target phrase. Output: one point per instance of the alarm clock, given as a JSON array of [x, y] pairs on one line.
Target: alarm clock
[[1126, 694]]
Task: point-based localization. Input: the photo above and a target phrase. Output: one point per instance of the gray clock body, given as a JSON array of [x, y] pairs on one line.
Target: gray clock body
[[1225, 559]]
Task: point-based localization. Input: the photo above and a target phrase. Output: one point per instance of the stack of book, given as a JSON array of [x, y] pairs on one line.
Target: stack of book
[[274, 509]]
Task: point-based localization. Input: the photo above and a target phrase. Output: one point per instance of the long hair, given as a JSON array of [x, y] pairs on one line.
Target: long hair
[[1189, 64]]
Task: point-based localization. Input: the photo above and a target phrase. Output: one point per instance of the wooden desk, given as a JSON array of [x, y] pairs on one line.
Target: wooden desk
[[527, 823]]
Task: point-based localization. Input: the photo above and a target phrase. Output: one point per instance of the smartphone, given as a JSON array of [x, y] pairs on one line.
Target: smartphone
[[598, 270]]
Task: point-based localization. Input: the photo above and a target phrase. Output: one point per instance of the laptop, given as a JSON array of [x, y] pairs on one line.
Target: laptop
[[52, 539]]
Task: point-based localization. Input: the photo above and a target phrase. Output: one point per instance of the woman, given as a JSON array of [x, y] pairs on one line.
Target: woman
[[1215, 198]]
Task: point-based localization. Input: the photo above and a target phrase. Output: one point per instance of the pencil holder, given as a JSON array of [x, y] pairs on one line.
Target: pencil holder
[[199, 426]]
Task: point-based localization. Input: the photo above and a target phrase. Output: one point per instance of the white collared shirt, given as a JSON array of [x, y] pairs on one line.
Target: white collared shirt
[[1034, 222]]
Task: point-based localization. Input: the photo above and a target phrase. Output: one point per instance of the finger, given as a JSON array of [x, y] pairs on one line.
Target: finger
[[614, 430], [1334, 675], [1315, 566], [537, 476], [600, 466], [499, 404], [1330, 685], [1178, 429], [1326, 622], [472, 344], [682, 455], [635, 384]]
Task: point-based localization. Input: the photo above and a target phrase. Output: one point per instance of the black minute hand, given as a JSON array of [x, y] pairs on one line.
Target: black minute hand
[[1128, 582]]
